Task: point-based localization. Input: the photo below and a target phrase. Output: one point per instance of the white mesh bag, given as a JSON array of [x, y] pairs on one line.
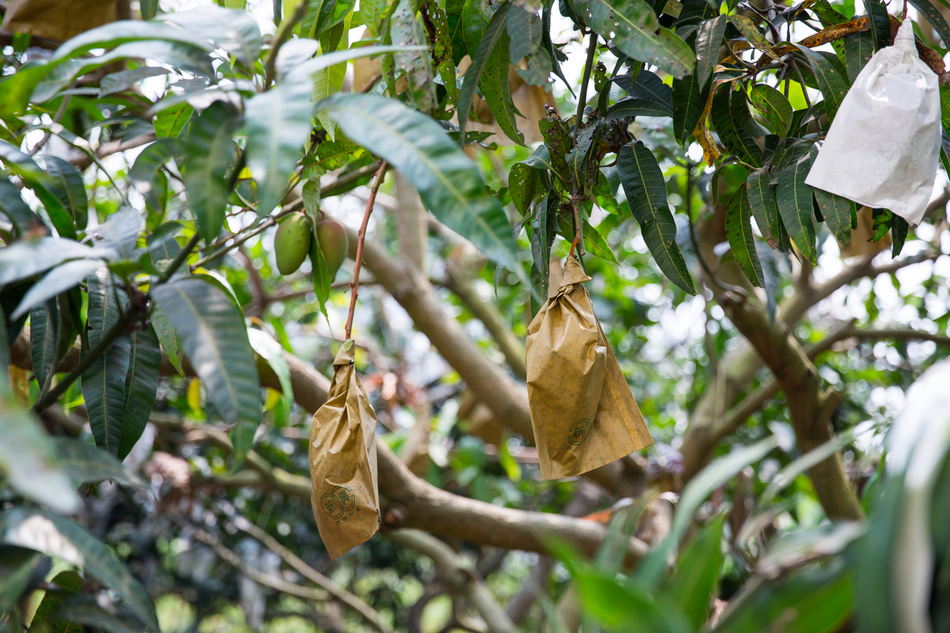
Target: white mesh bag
[[882, 148]]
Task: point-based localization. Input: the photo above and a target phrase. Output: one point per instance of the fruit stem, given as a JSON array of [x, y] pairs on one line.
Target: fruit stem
[[354, 287], [577, 229]]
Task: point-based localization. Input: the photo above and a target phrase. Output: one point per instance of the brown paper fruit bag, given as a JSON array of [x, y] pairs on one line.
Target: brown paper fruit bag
[[344, 495], [582, 411]]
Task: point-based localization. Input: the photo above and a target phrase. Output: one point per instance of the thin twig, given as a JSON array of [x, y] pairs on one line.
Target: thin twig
[[577, 230], [284, 31], [588, 68], [359, 247]]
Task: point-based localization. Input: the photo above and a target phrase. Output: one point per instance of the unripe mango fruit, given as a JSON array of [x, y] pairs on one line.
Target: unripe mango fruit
[[332, 240], [292, 243]]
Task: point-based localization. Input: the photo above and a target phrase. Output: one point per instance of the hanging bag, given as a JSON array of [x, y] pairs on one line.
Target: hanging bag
[[881, 150], [582, 411], [342, 455]]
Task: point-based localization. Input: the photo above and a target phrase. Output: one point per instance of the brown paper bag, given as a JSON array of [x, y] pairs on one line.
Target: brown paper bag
[[582, 411], [344, 495]]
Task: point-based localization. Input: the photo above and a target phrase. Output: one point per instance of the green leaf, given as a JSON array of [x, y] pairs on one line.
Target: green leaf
[[831, 77], [120, 234], [741, 239], [632, 26], [731, 118], [709, 37], [858, 49], [692, 585], [447, 181], [278, 124], [270, 350], [625, 606], [595, 243], [751, 32], [57, 281], [148, 8], [25, 167], [141, 384], [635, 107], [47, 617], [815, 599], [936, 19], [84, 463], [167, 338], [701, 486], [646, 194], [899, 228], [214, 337], [765, 209], [373, 12], [44, 327], [103, 382], [209, 154], [124, 31], [26, 258], [324, 14], [169, 122], [18, 212], [125, 79], [773, 105], [61, 537], [405, 29], [28, 462], [794, 199], [235, 31], [321, 277], [66, 183], [330, 80], [837, 213], [649, 87], [489, 70], [17, 567], [526, 40], [688, 103], [542, 237]]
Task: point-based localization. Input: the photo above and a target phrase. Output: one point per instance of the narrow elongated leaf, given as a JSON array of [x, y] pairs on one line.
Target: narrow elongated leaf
[[632, 26], [103, 382], [209, 153], [858, 49], [447, 181], [170, 121], [688, 101], [405, 29], [831, 77], [167, 338], [84, 463], [794, 199], [646, 194], [765, 210], [625, 606], [936, 19], [899, 228], [837, 213], [595, 243], [39, 181], [526, 35], [635, 107], [57, 281], [330, 80], [59, 536], [773, 105], [17, 567], [121, 32], [278, 124], [270, 350], [542, 237], [709, 38], [489, 69], [323, 15], [741, 240], [214, 338], [65, 182], [120, 233], [125, 79], [28, 462], [692, 586], [820, 597], [141, 384], [44, 326], [27, 258], [730, 116], [233, 30], [649, 87], [751, 32]]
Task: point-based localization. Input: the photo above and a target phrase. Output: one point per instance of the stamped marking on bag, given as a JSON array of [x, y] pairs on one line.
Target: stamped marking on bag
[[339, 501], [579, 431]]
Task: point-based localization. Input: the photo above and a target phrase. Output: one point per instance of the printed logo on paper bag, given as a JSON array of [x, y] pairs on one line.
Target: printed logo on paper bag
[[338, 501], [578, 432]]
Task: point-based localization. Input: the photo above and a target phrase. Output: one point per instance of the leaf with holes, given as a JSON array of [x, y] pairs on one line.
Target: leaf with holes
[[209, 154], [741, 239], [632, 26], [646, 194], [214, 338]]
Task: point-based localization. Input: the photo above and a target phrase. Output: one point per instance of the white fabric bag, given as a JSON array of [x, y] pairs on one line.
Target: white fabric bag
[[883, 145]]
